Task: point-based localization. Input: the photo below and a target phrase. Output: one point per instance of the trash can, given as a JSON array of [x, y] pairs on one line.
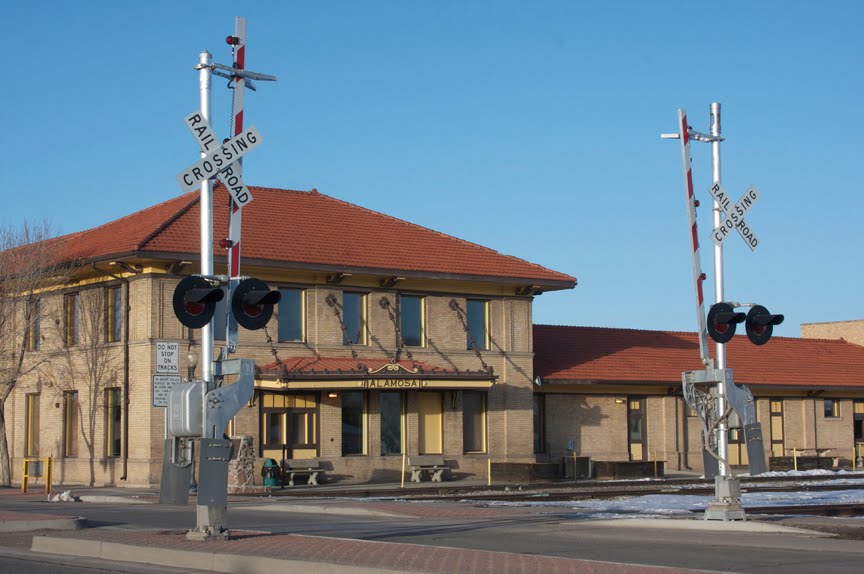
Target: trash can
[[270, 472]]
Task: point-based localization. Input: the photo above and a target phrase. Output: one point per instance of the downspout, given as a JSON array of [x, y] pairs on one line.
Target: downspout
[[685, 435], [127, 307]]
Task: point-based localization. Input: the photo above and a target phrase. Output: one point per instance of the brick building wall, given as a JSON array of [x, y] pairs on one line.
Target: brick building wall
[[509, 418], [852, 331], [597, 426]]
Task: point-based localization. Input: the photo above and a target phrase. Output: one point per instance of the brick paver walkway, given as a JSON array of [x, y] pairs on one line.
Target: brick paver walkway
[[383, 555]]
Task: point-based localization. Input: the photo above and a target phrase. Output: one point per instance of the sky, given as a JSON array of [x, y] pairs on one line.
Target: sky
[[532, 128]]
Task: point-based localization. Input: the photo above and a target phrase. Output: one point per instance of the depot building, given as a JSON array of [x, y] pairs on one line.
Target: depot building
[[388, 339]]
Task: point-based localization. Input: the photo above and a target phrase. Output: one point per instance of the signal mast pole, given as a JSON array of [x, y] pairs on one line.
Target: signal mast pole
[[722, 430], [205, 67]]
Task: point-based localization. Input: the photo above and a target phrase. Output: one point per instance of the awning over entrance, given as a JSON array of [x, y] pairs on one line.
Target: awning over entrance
[[310, 373]]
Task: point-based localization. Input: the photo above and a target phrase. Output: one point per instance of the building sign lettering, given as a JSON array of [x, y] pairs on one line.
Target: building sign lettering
[[396, 384]]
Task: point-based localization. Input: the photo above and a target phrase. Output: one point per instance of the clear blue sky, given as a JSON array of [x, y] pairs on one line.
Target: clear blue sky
[[529, 127]]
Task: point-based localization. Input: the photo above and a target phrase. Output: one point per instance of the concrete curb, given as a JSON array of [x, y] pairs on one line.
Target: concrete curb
[[114, 499], [71, 523]]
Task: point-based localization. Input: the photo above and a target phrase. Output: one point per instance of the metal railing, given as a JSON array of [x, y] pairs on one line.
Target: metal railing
[[36, 468]]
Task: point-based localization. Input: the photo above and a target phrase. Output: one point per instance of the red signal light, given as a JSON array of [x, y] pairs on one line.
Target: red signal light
[[232, 40]]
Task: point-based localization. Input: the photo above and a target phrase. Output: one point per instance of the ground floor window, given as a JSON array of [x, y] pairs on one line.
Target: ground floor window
[[31, 434], [113, 419], [777, 447], [289, 425], [473, 421], [737, 448], [392, 412], [429, 418], [353, 422], [70, 424]]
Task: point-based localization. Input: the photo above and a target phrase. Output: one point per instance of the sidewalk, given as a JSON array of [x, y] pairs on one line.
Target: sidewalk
[[264, 553]]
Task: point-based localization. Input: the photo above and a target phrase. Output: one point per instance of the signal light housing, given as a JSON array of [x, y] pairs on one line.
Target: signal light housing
[[232, 40], [722, 321], [195, 301], [252, 303], [760, 324]]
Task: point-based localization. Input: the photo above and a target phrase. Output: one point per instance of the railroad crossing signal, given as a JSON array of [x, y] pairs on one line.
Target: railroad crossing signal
[[760, 324], [722, 320], [252, 303], [195, 301], [735, 215]]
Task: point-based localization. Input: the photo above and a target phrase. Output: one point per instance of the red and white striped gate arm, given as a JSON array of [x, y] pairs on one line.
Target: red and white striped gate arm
[[698, 276], [235, 218]]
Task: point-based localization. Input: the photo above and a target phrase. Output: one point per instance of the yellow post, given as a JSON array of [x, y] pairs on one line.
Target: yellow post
[[795, 458], [403, 470], [48, 476], [655, 464], [488, 472], [574, 465], [24, 477]]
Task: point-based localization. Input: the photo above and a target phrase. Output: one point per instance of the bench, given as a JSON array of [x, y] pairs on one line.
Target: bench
[[432, 464], [292, 467]]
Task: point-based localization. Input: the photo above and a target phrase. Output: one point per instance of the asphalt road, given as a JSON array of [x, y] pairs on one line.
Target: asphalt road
[[546, 534]]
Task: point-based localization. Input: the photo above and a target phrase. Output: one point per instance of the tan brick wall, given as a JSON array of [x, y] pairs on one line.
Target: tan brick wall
[[852, 331], [509, 411]]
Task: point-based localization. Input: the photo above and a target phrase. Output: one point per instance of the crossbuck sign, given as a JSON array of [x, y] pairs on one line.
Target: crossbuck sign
[[735, 215], [221, 160]]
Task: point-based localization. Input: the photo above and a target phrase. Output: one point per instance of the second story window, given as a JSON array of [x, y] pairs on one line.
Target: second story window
[[72, 316], [113, 314], [290, 315], [34, 328], [411, 320], [477, 313], [354, 317]]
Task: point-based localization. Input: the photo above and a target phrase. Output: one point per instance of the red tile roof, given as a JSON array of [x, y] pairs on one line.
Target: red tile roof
[[306, 229], [627, 356]]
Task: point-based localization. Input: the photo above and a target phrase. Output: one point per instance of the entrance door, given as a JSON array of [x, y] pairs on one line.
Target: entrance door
[[429, 421], [637, 437], [777, 448], [289, 425]]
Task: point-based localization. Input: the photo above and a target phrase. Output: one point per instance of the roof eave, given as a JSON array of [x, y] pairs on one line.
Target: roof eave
[[544, 284]]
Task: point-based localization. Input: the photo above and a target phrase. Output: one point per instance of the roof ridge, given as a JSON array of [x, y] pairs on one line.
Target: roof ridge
[[167, 223], [632, 329], [691, 333], [436, 232]]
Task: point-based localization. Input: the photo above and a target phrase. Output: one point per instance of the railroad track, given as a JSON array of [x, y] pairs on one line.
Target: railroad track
[[582, 490]]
